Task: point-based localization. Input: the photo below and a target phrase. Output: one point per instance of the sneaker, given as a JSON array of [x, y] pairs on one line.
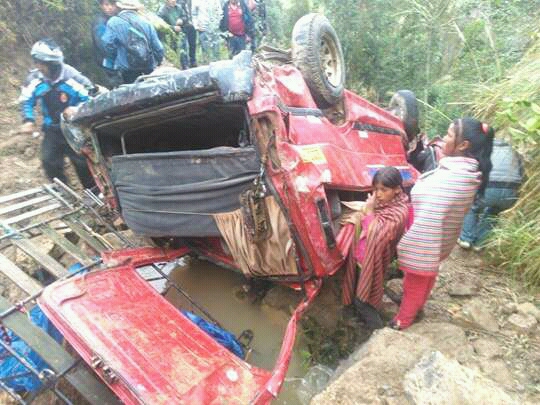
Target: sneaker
[[477, 248], [464, 244]]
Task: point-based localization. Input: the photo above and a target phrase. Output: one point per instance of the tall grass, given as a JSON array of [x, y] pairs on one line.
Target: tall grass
[[513, 105]]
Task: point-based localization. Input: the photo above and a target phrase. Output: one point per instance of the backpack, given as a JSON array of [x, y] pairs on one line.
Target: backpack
[[139, 54]]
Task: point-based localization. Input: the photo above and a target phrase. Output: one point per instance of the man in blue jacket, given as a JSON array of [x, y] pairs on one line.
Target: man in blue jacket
[[120, 28], [59, 87], [108, 9]]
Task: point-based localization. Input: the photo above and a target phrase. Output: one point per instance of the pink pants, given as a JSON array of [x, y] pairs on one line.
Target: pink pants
[[416, 290]]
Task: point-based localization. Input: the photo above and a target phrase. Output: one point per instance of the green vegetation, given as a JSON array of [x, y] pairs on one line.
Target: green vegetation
[[513, 104], [461, 57]]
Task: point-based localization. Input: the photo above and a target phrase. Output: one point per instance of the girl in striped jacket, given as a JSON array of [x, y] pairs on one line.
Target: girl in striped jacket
[[440, 200]]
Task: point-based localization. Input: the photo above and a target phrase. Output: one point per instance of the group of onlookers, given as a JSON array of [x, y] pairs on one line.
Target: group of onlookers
[[127, 46], [192, 22]]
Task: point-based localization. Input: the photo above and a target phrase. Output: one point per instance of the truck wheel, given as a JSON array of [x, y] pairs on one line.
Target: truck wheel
[[317, 53], [404, 106]]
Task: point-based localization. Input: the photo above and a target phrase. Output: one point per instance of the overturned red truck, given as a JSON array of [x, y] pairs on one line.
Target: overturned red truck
[[245, 163]]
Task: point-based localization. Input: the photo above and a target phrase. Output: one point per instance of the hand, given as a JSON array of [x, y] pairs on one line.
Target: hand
[[371, 203], [27, 128], [69, 112]]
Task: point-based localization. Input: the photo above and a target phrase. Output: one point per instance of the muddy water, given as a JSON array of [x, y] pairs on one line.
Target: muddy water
[[221, 293]]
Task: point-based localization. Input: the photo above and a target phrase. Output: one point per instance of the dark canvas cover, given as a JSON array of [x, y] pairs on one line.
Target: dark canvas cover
[[176, 193]]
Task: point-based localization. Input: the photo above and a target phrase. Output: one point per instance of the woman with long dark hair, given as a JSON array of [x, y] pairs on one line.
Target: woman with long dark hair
[[440, 200]]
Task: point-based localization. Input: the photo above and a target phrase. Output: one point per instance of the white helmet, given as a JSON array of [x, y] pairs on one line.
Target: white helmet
[[47, 50]]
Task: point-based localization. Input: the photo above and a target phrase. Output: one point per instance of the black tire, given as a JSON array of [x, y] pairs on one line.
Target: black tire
[[316, 52], [405, 106]]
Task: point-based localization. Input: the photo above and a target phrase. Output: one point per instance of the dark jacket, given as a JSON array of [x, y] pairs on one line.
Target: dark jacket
[[171, 14], [246, 15]]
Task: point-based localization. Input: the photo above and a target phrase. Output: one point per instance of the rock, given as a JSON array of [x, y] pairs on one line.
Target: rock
[[522, 323], [509, 308], [388, 308], [498, 372], [395, 286], [438, 380], [30, 152], [528, 308], [447, 338], [488, 348], [462, 290], [476, 314], [375, 370]]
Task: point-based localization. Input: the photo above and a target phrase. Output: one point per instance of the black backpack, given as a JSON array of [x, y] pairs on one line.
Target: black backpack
[[139, 54]]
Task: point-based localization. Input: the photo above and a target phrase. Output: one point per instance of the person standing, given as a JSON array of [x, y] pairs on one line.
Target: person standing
[[60, 88], [440, 200], [177, 13], [108, 9], [258, 13], [128, 32], [238, 22], [501, 194], [207, 15]]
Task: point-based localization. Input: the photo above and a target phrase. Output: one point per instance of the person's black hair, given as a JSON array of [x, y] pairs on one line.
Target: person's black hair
[[388, 176], [480, 137]]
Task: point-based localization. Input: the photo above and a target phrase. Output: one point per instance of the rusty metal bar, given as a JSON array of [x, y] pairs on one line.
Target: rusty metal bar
[[24, 204]]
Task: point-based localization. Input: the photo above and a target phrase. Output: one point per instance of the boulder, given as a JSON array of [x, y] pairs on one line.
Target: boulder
[[373, 374], [447, 338], [509, 308], [522, 323], [497, 370], [488, 348], [476, 314], [462, 289], [437, 380], [528, 308]]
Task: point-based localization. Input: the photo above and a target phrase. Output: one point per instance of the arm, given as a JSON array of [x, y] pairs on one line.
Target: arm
[[74, 74], [28, 101], [110, 39]]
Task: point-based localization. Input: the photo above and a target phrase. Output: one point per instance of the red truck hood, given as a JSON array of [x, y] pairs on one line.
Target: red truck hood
[[145, 349]]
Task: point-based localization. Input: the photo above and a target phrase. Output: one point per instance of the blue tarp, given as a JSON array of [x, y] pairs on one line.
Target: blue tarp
[[10, 366], [223, 337]]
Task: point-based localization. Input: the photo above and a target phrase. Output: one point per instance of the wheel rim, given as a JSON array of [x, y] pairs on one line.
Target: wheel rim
[[330, 62]]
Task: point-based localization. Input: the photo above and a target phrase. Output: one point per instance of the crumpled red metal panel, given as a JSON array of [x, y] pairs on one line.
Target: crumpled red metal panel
[[150, 352]]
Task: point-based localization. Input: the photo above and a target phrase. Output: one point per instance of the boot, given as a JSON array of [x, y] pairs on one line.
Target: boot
[[368, 314]]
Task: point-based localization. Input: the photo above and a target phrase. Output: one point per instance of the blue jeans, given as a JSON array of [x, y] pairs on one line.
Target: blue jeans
[[481, 217], [236, 44]]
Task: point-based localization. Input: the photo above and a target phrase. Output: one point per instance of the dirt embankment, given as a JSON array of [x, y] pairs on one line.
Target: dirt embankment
[[477, 343]]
